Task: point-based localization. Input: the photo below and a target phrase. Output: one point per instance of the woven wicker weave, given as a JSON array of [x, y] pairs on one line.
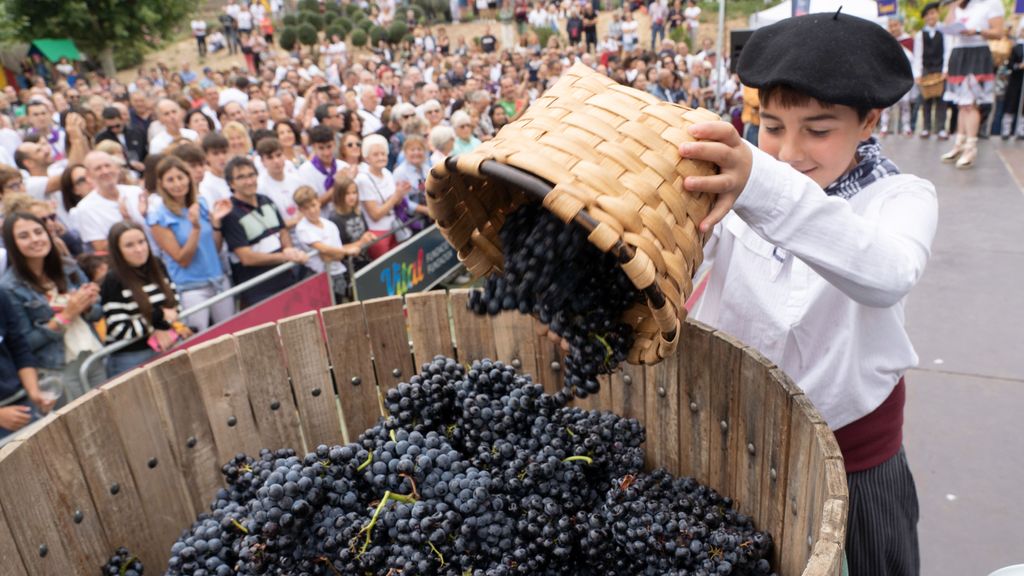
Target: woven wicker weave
[[932, 85], [611, 154]]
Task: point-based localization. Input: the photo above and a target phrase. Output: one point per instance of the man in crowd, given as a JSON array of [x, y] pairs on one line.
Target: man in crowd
[[171, 116], [256, 235], [108, 203], [130, 139], [40, 119], [275, 182]]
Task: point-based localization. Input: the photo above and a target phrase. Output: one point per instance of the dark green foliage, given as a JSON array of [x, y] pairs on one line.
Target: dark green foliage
[[309, 5], [345, 23], [313, 19], [377, 34], [397, 30], [334, 29], [288, 38], [358, 38], [290, 20], [307, 34]]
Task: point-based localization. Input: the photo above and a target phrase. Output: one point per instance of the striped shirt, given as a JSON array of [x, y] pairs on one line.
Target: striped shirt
[[121, 311]]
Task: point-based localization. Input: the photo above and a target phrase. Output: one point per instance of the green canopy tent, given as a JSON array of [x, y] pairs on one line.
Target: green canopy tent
[[53, 49]]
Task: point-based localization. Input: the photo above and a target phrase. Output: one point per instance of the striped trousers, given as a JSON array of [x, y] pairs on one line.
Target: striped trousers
[[881, 533]]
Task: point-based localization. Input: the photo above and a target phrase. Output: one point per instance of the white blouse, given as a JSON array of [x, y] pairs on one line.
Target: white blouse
[[818, 284]]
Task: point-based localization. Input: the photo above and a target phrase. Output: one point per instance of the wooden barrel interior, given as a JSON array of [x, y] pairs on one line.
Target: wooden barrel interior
[[134, 462]]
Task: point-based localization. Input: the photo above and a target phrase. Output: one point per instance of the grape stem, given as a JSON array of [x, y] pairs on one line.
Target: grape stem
[[369, 458], [586, 459], [125, 565], [388, 495], [239, 526], [607, 347], [436, 551]]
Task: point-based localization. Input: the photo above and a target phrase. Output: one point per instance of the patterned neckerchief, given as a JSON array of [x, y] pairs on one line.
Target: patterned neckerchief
[[871, 167]]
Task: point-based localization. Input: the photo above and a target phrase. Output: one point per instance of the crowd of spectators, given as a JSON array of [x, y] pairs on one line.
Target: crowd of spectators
[[126, 202]]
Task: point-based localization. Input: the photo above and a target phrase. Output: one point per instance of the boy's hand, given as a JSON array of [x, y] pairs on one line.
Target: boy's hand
[[722, 146]]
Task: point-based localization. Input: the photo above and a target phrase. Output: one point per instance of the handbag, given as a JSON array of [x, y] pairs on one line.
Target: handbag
[[400, 231]]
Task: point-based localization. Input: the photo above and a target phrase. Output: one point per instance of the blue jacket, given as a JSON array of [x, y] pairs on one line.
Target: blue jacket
[[34, 310], [15, 353]]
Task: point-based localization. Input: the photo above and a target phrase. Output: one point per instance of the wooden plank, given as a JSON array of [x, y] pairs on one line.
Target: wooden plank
[[751, 390], [777, 418], [628, 388], [167, 506], [61, 479], [429, 325], [10, 558], [306, 357], [92, 428], [795, 550], [270, 392], [515, 340], [222, 387], [826, 560], [188, 427], [726, 355], [24, 486], [661, 397], [695, 400], [389, 340], [474, 338], [549, 361], [348, 347]]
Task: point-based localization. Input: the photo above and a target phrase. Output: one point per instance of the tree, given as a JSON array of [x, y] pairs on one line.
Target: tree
[[307, 34], [358, 38], [99, 27]]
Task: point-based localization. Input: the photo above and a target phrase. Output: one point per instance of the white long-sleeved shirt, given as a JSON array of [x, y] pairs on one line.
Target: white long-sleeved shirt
[[918, 57], [818, 283]]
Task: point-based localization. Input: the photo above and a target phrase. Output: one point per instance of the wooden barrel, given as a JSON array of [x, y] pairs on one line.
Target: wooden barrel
[[133, 462]]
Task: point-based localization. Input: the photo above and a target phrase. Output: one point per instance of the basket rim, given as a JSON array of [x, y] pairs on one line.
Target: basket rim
[[539, 188]]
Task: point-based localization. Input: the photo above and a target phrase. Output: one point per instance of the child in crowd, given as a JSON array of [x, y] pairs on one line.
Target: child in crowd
[[320, 234]]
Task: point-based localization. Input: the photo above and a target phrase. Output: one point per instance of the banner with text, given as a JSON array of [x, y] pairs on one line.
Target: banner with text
[[416, 265], [887, 8]]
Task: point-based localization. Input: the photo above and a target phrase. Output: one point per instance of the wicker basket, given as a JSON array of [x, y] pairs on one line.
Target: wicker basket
[[932, 86], [606, 156]]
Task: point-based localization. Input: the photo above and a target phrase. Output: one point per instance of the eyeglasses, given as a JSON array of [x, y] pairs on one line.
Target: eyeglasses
[[353, 144], [463, 125], [80, 181], [245, 176], [433, 111], [50, 218], [407, 116]]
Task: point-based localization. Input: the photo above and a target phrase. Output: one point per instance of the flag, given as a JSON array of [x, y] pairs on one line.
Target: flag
[[888, 7], [1018, 8]]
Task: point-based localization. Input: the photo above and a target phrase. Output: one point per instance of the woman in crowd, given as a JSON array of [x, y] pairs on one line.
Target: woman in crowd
[[138, 300], [414, 170], [351, 153], [464, 139], [348, 217], [499, 117], [442, 140], [630, 36], [380, 195], [68, 244], [239, 143], [970, 83], [197, 121], [189, 236], [291, 142], [73, 185], [54, 299], [351, 122], [11, 181]]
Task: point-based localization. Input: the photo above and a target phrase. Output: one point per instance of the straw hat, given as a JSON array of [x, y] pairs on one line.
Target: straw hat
[[606, 156]]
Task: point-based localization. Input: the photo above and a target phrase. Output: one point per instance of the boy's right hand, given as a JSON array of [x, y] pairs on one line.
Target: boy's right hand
[[721, 145]]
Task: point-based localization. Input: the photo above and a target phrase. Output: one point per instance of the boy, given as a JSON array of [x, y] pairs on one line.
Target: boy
[[320, 234], [213, 186], [820, 241], [320, 171], [275, 182]]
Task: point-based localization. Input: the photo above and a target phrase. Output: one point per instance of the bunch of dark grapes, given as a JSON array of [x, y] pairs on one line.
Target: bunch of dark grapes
[[474, 471], [122, 563], [580, 293]]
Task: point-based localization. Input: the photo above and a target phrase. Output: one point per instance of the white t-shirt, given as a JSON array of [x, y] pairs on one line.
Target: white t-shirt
[[692, 16], [164, 139], [976, 17], [214, 188], [199, 27], [94, 215], [308, 234], [233, 94], [310, 176], [280, 191], [377, 190], [244, 19]]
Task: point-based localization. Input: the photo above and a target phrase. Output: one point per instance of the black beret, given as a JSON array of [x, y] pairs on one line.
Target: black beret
[[929, 6], [834, 58]]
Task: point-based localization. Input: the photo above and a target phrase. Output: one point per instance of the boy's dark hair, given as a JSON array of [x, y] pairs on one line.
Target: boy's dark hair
[[788, 97], [215, 142], [189, 154], [321, 112], [267, 146], [90, 263], [261, 134], [320, 134], [233, 165]]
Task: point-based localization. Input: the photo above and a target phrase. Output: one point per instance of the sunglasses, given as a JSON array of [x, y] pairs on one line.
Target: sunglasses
[[353, 144], [80, 181]]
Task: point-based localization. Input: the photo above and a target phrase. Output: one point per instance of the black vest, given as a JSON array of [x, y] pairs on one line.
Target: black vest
[[931, 58]]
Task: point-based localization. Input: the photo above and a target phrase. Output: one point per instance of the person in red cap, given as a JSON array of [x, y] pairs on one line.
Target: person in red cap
[[815, 240]]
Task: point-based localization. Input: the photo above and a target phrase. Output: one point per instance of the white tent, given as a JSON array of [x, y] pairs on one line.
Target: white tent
[[867, 9]]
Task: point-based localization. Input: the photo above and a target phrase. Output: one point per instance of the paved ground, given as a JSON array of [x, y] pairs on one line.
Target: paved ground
[[963, 422]]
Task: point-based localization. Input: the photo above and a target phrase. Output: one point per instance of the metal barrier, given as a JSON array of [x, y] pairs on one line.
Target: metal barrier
[[231, 293]]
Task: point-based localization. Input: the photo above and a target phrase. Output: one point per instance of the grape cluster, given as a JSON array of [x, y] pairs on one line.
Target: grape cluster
[[474, 471], [122, 563], [580, 293]]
